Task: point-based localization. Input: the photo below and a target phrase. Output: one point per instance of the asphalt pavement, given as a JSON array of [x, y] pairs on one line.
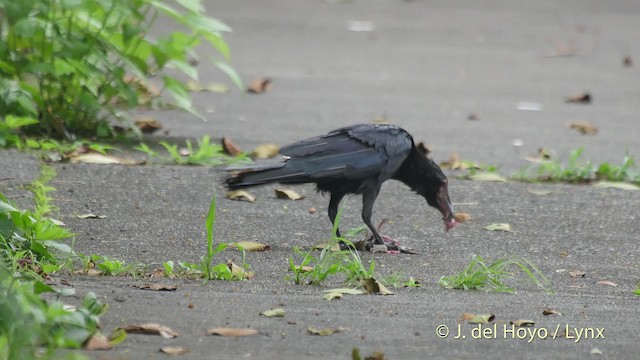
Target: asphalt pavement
[[427, 66]]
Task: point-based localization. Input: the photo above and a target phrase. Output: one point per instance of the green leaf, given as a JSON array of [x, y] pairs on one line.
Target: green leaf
[[498, 227], [231, 73], [179, 92]]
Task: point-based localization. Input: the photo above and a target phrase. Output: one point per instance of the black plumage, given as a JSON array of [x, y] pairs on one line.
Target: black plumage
[[355, 160]]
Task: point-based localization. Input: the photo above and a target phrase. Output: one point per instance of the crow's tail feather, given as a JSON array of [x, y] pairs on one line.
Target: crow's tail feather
[[282, 172]]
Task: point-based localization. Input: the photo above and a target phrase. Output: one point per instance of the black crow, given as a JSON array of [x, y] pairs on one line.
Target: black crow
[[356, 160]]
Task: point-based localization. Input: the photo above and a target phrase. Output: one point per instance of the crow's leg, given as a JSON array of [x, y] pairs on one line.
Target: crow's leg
[[336, 197], [368, 199]]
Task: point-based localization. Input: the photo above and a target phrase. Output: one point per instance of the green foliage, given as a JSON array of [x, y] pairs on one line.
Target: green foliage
[[29, 240], [579, 171], [396, 280], [29, 323], [347, 263], [479, 276], [220, 271], [205, 153], [637, 290], [71, 67]]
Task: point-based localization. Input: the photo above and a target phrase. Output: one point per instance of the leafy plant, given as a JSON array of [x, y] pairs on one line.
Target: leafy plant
[[220, 271], [27, 238], [315, 270], [396, 280], [637, 290], [480, 276], [29, 323], [71, 67], [205, 153]]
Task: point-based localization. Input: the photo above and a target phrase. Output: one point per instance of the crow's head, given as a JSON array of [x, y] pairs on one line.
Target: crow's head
[[426, 178]]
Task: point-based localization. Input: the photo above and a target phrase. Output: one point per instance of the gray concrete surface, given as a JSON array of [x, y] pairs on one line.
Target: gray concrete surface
[[426, 65]]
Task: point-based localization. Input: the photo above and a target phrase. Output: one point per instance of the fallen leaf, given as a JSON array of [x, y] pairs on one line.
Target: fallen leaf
[[229, 147], [97, 341], [324, 332], [89, 272], [184, 152], [90, 216], [231, 332], [627, 61], [147, 124], [335, 247], [332, 296], [152, 329], [240, 195], [345, 291], [607, 282], [550, 311], [259, 86], [523, 323], [477, 318], [156, 287], [157, 273], [373, 286], [616, 185], [595, 351], [461, 217], [577, 274], [274, 313], [251, 246], [103, 159], [585, 128], [218, 88], [174, 350], [584, 98], [539, 192], [265, 151], [498, 227], [304, 269], [377, 355], [542, 156], [239, 272], [487, 176], [288, 194], [194, 86]]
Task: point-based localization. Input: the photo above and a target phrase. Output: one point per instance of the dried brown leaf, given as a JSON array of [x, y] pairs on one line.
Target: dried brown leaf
[[97, 341], [377, 355], [585, 128], [550, 311], [373, 286], [229, 147], [523, 323], [288, 194], [240, 195], [239, 272], [147, 124], [607, 282], [577, 274], [584, 98], [332, 296], [152, 329], [156, 287], [324, 332], [498, 227], [98, 158], [477, 318], [259, 86], [174, 350], [274, 313], [265, 151], [251, 246], [231, 332], [90, 216], [461, 217]]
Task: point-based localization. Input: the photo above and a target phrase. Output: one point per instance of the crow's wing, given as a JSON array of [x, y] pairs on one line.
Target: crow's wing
[[351, 153]]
